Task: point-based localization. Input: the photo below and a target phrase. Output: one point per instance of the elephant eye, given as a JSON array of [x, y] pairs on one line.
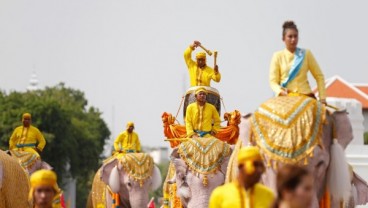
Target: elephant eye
[[129, 184]]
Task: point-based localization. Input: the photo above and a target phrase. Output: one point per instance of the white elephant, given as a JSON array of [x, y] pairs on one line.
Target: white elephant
[[200, 166], [131, 176]]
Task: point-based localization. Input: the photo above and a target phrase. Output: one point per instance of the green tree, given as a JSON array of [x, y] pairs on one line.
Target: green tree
[[75, 132]]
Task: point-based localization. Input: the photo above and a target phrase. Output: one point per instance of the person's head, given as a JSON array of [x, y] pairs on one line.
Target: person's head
[[26, 119], [130, 127], [201, 59], [250, 164], [201, 95], [290, 35], [43, 188], [295, 186]]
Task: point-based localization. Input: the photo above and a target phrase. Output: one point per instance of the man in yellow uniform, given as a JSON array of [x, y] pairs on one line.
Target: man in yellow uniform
[[27, 137], [127, 141], [200, 74], [202, 118], [44, 192], [246, 192]]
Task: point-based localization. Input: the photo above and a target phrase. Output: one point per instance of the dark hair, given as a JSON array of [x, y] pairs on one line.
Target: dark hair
[[289, 24], [288, 178]]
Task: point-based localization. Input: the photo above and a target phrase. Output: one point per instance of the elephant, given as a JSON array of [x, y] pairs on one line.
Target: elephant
[[28, 161], [336, 125], [199, 167], [130, 176], [14, 185]]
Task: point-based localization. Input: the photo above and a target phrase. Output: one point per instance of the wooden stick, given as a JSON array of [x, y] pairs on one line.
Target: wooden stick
[[215, 58], [205, 49]]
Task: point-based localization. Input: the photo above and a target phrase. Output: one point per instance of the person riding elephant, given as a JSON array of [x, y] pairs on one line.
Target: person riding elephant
[[127, 141], [289, 67], [202, 119], [27, 137], [246, 191], [200, 74]]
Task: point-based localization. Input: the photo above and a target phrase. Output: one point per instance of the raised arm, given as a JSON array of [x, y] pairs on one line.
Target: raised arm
[[216, 76], [188, 53]]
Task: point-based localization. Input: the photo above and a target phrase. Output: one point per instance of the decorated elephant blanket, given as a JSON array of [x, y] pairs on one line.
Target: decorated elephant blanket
[[288, 128], [204, 155], [25, 159]]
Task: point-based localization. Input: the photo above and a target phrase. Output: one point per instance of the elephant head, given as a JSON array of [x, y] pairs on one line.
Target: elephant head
[[132, 176], [195, 184]]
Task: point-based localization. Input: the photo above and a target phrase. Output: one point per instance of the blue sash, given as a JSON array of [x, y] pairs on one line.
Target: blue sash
[[295, 68], [202, 133], [26, 145]]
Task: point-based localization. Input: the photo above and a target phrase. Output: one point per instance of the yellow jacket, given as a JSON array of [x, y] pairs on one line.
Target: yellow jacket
[[127, 141], [27, 138], [198, 76], [229, 195], [279, 71], [202, 118]]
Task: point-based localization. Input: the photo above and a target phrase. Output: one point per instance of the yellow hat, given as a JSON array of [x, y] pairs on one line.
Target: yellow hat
[[129, 124], [247, 155], [201, 55], [26, 115], [200, 89], [43, 178]]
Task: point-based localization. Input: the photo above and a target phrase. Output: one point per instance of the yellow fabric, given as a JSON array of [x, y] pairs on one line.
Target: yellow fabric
[[129, 124], [27, 135], [279, 71], [200, 89], [229, 195], [248, 153], [287, 129], [26, 115], [201, 55], [198, 76], [44, 178], [127, 141], [201, 118]]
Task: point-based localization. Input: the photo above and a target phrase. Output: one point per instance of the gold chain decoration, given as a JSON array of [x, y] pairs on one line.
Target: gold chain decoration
[[204, 155], [138, 166]]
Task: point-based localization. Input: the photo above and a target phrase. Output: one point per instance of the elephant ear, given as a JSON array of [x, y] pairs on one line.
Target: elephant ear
[[106, 170], [361, 188], [156, 178], [174, 154]]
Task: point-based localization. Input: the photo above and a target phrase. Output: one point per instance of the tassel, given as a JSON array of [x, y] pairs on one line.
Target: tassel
[[205, 180], [306, 161]]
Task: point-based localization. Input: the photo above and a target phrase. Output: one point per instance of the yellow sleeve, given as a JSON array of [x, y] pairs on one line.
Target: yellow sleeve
[[188, 121], [215, 198], [13, 139], [138, 144], [216, 77], [317, 74], [40, 139], [216, 120], [274, 76], [118, 143], [188, 57]]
